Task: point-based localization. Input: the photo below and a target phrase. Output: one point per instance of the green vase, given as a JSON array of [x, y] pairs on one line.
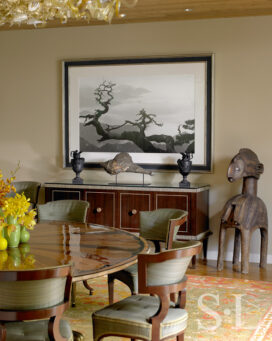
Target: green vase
[[14, 237], [25, 235], [11, 220]]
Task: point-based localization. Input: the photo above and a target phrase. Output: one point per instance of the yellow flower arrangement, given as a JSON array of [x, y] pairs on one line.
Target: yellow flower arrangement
[[5, 187], [14, 211]]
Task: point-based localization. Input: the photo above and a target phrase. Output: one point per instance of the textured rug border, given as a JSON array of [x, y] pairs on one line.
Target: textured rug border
[[230, 278]]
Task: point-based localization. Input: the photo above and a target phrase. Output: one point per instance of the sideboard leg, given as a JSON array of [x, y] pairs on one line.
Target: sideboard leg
[[205, 250]]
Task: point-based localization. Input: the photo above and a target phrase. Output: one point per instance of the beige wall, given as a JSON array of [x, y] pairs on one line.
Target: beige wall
[[30, 95]]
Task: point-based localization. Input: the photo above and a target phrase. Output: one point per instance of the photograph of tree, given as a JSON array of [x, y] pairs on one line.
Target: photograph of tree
[[154, 111], [104, 127]]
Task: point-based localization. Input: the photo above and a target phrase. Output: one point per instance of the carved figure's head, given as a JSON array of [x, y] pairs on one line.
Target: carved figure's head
[[245, 164]]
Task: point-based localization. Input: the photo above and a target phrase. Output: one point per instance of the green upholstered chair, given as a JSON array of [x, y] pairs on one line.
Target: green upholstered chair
[[160, 225], [65, 210], [32, 302], [162, 275], [30, 189]]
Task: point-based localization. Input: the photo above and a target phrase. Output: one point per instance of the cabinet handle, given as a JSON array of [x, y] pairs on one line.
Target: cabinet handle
[[98, 210], [133, 212]]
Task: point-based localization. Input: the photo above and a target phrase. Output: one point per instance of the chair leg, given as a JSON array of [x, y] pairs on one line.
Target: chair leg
[[222, 235], [245, 243], [157, 246], [264, 243], [110, 290], [3, 332], [86, 285], [73, 295], [236, 248], [173, 297], [193, 262], [182, 299], [180, 337], [54, 329]]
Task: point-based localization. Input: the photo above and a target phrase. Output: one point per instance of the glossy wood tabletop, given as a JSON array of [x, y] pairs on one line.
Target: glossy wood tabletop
[[93, 250]]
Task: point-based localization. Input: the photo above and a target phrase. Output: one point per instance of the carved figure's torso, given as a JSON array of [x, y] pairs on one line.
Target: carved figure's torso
[[246, 210]]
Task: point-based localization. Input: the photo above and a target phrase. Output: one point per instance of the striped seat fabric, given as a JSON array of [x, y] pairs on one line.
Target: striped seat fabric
[[32, 302]]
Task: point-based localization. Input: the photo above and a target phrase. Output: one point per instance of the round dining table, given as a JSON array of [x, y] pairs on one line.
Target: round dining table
[[93, 250]]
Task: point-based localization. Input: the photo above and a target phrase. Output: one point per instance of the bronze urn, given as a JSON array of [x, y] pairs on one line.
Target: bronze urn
[[185, 166], [77, 166]]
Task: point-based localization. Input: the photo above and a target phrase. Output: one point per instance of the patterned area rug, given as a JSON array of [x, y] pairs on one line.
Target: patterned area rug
[[219, 308]]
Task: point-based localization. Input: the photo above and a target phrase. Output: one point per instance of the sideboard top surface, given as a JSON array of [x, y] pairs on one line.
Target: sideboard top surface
[[91, 184]]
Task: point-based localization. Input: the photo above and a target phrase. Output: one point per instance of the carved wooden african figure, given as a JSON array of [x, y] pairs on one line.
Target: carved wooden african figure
[[244, 212]]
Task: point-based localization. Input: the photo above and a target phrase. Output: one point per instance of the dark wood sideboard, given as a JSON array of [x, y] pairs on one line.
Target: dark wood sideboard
[[119, 205]]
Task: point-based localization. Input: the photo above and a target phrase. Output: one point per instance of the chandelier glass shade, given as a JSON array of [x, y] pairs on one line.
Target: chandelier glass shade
[[39, 12]]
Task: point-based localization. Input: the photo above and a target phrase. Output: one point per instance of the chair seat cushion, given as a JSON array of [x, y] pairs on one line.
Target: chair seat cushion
[[35, 331], [129, 317]]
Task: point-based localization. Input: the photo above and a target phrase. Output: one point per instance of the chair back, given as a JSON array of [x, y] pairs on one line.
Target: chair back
[[161, 224], [34, 294], [163, 273], [64, 210], [29, 188]]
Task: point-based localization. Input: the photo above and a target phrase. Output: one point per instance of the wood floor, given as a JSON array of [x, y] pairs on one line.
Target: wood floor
[[209, 269]]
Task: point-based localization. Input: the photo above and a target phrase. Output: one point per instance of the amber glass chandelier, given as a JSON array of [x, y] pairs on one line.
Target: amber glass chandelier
[[39, 12]]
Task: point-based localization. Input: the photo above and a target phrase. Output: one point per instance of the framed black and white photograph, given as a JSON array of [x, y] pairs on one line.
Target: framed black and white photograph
[[152, 108]]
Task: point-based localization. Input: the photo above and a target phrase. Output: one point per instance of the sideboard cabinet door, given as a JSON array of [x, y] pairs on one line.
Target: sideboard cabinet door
[[175, 200], [102, 209], [200, 207], [196, 204], [130, 204]]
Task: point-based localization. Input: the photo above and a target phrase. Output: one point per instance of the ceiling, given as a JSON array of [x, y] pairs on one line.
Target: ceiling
[[170, 10]]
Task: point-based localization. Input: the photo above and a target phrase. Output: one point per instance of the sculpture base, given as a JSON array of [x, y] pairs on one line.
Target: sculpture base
[[184, 184], [77, 180], [126, 184], [138, 182]]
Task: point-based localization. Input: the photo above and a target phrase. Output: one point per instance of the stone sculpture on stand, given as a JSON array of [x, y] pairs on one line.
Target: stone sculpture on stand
[[122, 162], [244, 212]]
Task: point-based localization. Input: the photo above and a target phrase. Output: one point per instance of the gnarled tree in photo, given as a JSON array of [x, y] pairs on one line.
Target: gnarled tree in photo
[[185, 137], [103, 95], [149, 144]]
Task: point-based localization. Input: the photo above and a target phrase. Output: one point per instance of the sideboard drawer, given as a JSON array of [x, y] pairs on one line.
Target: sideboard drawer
[[102, 207], [64, 194], [130, 206]]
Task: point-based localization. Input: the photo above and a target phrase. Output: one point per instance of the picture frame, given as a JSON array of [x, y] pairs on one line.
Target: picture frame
[[153, 108]]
